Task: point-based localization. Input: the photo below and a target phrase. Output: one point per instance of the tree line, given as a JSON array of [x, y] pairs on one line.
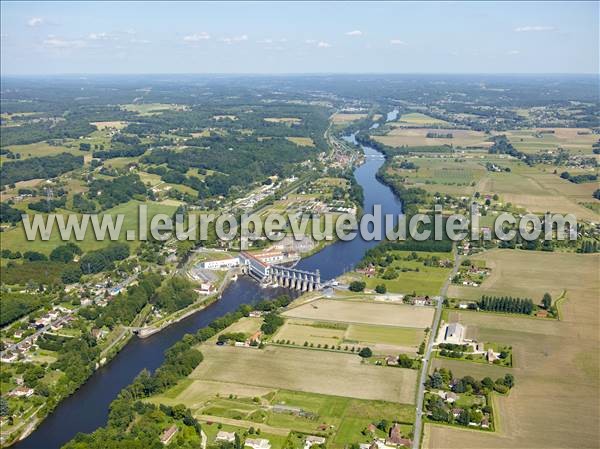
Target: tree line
[[506, 304]]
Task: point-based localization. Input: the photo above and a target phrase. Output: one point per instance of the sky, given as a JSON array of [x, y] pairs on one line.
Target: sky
[[39, 38]]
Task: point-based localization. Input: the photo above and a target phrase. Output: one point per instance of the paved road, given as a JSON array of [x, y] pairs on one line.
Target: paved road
[[427, 357]]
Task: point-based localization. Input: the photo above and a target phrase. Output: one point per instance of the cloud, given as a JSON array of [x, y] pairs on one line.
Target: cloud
[[513, 52], [139, 41], [197, 37], [534, 28], [35, 21], [101, 37], [354, 33], [56, 42], [397, 42], [265, 41], [323, 45], [310, 41], [231, 40]]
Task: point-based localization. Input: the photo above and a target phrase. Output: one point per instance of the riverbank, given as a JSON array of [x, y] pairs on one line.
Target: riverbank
[[75, 414]]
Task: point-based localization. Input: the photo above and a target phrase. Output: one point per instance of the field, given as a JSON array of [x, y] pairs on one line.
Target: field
[[417, 118], [285, 120], [386, 336], [302, 141], [555, 362], [416, 277], [342, 118], [382, 339], [532, 141], [44, 149], [306, 370], [152, 108], [299, 331], [540, 190], [399, 137], [363, 312], [107, 125]]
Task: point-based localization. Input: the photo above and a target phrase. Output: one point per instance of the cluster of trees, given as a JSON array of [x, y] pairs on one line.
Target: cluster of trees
[[83, 205], [139, 425], [437, 135], [442, 379], [122, 152], [235, 336], [16, 305], [502, 145], [357, 286], [381, 289], [381, 254], [9, 214], [103, 259], [176, 294], [405, 361], [408, 165], [112, 192], [39, 167], [238, 162], [579, 179], [588, 246], [267, 305], [272, 322], [506, 304], [47, 205], [127, 306], [77, 358]]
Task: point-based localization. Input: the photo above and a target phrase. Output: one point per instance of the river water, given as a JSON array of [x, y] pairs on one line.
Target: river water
[[87, 408]]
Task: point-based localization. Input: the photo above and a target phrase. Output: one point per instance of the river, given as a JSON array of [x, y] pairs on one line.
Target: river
[[87, 408]]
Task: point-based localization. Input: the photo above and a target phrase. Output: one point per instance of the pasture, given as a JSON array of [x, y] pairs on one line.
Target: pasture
[[363, 312], [307, 371], [555, 362]]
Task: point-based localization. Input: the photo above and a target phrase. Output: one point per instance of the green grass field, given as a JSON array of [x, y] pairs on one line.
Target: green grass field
[[428, 280], [15, 239], [387, 335]]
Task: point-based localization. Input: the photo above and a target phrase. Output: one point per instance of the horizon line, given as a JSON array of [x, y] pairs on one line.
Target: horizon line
[[69, 74]]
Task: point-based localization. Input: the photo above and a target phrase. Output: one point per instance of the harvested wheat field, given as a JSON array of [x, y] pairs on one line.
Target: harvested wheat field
[[306, 370], [364, 312]]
